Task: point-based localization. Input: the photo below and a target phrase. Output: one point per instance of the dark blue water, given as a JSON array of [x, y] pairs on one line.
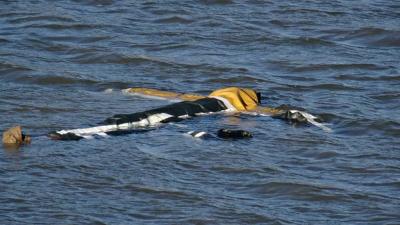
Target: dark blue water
[[59, 61]]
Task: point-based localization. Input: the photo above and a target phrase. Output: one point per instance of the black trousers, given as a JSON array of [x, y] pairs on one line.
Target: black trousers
[[189, 108]]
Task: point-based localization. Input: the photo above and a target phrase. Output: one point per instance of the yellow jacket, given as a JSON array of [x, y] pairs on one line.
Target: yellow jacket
[[243, 99]]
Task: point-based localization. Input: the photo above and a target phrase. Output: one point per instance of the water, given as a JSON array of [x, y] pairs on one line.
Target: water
[[339, 59]]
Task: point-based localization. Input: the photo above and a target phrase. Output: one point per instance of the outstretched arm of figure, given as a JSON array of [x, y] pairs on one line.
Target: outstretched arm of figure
[[149, 92], [293, 115]]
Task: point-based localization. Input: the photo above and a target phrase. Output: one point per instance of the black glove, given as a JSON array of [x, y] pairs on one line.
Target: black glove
[[291, 114], [292, 117], [233, 134]]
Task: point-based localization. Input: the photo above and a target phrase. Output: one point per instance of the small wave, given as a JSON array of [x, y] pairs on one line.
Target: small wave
[[360, 127], [217, 2], [58, 216], [6, 68], [235, 170], [298, 78], [83, 40], [307, 11], [367, 78], [298, 190], [168, 46], [40, 18], [96, 58], [377, 36], [361, 170], [16, 13], [291, 23], [306, 41], [329, 87], [2, 40], [386, 96], [161, 193], [350, 66], [326, 155], [55, 80], [236, 79], [38, 43], [64, 26], [367, 36], [95, 2], [174, 19], [210, 22]]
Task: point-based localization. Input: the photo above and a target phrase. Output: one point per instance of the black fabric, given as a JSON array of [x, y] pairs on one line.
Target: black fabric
[[287, 115], [64, 137], [190, 108], [292, 117], [233, 134], [258, 97]]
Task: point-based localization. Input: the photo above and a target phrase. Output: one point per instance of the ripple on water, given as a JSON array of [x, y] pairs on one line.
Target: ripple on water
[[38, 18], [362, 126], [95, 2], [336, 67], [8, 68], [367, 78], [217, 2], [295, 190], [317, 87], [366, 36], [174, 19], [56, 27]]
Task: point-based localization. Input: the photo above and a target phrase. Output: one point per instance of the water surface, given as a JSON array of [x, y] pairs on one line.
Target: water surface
[[339, 59]]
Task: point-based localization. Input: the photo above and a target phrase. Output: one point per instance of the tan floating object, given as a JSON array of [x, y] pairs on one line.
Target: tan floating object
[[14, 136], [165, 94]]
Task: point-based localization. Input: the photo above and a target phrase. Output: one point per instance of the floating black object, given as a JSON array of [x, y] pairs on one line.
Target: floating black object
[[235, 134], [64, 137]]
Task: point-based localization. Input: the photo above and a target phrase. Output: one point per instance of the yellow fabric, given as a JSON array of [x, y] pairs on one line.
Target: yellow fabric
[[165, 94], [243, 99]]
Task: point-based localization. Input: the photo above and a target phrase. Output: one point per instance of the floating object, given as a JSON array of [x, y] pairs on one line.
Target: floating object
[[231, 99], [14, 136], [233, 134]]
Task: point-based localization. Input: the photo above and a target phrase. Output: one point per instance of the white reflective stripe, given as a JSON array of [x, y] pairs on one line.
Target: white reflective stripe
[[228, 105], [101, 130], [200, 134], [184, 116], [91, 130], [156, 118], [311, 119], [88, 137], [197, 134]]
